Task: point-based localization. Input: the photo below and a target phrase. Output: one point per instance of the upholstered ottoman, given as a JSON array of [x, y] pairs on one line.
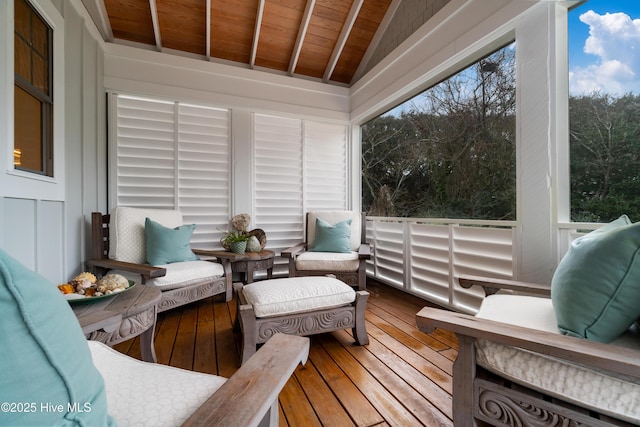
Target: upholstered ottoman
[[298, 306]]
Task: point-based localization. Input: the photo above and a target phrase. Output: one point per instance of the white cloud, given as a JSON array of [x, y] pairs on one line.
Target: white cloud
[[614, 38]]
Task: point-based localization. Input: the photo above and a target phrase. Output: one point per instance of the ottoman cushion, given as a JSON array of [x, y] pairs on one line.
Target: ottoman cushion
[[277, 297]]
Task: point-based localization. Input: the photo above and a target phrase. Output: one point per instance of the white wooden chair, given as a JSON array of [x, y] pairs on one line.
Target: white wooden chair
[[118, 246], [147, 394], [53, 376], [515, 368], [348, 266]]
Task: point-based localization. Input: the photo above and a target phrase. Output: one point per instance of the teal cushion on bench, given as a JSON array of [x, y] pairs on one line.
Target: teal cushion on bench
[[332, 237], [596, 288], [166, 245], [47, 370]]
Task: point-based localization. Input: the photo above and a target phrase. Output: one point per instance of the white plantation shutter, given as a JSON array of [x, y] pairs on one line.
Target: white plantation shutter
[[171, 155], [203, 171], [145, 153], [325, 166], [299, 166], [278, 180]]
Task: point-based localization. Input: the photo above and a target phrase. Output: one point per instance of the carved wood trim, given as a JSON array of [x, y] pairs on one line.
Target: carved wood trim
[[503, 406], [307, 323], [180, 296], [130, 327]]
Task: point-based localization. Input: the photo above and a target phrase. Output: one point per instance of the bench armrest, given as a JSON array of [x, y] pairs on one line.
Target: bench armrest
[[294, 251], [221, 255], [603, 356], [145, 270], [364, 251], [491, 285], [246, 398]]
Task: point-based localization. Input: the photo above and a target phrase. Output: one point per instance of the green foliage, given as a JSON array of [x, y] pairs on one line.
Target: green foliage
[[234, 236], [605, 157], [452, 154]]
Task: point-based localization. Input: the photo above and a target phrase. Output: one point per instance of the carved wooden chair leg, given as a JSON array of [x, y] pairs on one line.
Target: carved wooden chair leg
[[359, 328], [464, 372], [249, 331]]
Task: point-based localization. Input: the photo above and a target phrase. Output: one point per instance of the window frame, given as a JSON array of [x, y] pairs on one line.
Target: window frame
[[45, 99], [15, 182]]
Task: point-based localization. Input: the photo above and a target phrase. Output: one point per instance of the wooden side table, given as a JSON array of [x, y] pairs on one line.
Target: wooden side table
[[122, 317], [247, 262]]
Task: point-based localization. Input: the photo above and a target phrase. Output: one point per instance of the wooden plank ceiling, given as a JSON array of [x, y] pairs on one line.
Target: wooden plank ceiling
[[317, 39]]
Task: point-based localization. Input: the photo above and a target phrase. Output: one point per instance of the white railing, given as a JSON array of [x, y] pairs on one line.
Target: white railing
[[423, 256]]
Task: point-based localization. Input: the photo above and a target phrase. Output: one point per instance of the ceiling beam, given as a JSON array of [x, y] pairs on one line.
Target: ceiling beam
[[156, 24], [207, 31], [256, 34], [342, 39], [302, 31]]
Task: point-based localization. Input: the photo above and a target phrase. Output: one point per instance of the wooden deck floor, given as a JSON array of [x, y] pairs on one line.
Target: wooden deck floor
[[402, 378]]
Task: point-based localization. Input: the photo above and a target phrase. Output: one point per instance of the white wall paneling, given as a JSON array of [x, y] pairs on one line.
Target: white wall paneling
[[151, 73]]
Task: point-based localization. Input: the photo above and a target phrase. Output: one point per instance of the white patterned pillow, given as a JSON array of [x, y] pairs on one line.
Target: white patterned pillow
[[126, 231], [333, 217], [297, 295]]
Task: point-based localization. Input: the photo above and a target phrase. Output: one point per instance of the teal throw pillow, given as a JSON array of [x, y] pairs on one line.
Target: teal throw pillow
[[48, 377], [596, 288], [166, 245], [332, 238]]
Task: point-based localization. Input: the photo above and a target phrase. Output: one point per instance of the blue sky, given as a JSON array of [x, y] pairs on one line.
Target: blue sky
[[604, 47]]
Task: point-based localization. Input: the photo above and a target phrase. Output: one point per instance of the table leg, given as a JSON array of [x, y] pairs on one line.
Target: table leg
[[147, 346], [249, 272]]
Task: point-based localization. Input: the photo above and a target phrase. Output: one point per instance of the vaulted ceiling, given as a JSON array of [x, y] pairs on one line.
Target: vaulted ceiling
[[324, 40]]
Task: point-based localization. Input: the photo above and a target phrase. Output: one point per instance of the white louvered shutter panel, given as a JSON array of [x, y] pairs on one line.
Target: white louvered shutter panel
[[203, 171], [325, 166], [171, 155], [145, 153], [278, 180]]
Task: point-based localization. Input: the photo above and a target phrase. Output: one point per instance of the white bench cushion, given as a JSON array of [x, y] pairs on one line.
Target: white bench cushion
[[605, 392], [277, 297], [149, 394], [180, 274], [328, 261], [126, 231]]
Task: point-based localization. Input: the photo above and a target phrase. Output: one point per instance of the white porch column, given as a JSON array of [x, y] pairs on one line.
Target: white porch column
[[541, 96]]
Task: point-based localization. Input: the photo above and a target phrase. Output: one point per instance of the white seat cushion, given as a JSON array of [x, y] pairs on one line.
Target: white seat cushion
[[328, 261], [605, 392], [126, 231], [180, 274], [297, 295], [149, 394]]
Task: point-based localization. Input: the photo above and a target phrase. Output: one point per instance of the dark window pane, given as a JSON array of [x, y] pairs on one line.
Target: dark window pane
[[40, 33], [40, 74], [28, 130], [22, 54], [23, 17]]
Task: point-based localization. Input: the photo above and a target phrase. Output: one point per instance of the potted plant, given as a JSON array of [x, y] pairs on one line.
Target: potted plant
[[235, 241]]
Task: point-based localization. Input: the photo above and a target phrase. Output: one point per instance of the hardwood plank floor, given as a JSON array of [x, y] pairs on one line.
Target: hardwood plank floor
[[402, 378]]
